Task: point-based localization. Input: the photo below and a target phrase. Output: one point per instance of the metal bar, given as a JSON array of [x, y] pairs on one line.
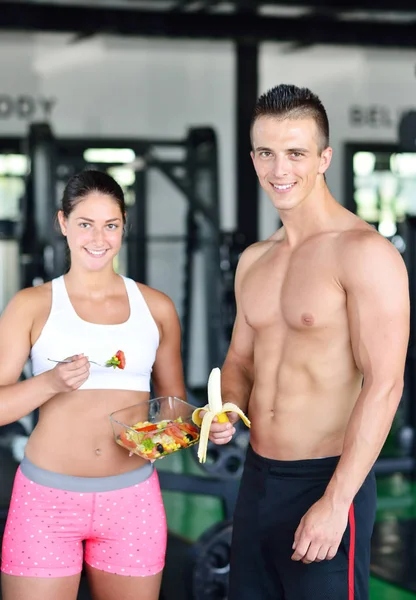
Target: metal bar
[[166, 238], [203, 178], [194, 202], [367, 5], [247, 200], [11, 145], [41, 156], [27, 16], [188, 287], [411, 355], [136, 242], [50, 249], [386, 466], [141, 145], [343, 5]]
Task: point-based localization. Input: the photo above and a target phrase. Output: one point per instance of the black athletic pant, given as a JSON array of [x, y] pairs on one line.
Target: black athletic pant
[[274, 495]]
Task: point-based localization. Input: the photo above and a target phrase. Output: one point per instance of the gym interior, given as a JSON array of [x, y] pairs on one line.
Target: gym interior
[[160, 95]]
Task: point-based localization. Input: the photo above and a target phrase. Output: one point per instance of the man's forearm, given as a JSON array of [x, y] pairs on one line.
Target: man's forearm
[[236, 383], [366, 433]]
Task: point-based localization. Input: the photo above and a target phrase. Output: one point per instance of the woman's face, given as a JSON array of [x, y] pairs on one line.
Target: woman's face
[[94, 231]]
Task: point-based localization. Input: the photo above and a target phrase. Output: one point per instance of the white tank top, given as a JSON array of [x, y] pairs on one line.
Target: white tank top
[[66, 334]]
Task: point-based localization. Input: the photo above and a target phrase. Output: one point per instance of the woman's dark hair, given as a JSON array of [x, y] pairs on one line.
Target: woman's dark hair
[[87, 182]]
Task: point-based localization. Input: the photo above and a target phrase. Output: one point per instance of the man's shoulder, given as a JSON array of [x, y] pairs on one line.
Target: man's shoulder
[[363, 237], [363, 248], [252, 254], [256, 250]]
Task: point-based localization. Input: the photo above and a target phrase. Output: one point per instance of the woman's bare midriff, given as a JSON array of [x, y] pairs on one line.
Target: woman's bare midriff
[[74, 434]]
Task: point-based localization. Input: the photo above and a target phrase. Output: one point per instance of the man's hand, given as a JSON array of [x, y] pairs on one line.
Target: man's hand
[[222, 433], [320, 531]]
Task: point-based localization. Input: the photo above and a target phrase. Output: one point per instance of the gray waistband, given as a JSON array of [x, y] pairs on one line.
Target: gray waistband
[[72, 483]]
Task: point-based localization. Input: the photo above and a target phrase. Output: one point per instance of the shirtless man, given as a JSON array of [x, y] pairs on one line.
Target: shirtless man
[[317, 360]]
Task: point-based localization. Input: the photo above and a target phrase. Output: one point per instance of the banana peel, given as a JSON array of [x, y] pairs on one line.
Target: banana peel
[[214, 408]]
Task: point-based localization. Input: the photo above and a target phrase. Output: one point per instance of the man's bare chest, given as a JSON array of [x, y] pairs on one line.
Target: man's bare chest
[[299, 295]]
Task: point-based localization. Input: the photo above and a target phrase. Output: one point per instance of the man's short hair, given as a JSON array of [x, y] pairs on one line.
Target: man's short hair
[[291, 102]]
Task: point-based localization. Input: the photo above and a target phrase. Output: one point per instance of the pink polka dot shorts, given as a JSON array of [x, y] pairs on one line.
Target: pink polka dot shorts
[[50, 531]]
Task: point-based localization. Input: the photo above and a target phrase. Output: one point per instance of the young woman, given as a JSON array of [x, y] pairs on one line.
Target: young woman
[[77, 494]]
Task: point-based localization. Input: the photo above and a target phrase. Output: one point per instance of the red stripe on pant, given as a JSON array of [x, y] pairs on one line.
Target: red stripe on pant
[[351, 553]]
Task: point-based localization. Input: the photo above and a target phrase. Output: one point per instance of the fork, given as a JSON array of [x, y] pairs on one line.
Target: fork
[[68, 361]]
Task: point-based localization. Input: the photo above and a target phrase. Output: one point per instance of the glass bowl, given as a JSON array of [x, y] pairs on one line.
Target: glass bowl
[[155, 428]]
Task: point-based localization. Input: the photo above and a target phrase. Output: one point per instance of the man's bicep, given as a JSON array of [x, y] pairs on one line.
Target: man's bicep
[[242, 340], [378, 311]]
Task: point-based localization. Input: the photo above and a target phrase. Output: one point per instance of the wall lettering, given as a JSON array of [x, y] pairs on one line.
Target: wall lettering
[[25, 106], [375, 115]]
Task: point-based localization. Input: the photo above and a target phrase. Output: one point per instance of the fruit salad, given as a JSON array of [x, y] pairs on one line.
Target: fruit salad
[[117, 361], [155, 440]]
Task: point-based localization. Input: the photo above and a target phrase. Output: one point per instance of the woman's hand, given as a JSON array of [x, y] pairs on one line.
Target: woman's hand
[[69, 376]]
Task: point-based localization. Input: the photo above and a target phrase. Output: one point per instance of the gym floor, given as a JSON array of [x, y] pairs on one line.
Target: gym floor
[[394, 547]]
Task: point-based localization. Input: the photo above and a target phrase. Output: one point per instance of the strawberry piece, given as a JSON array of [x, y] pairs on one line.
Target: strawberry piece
[[122, 359], [117, 361]]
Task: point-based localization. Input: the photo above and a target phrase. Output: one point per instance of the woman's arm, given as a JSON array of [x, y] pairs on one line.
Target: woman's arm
[[167, 375], [19, 398]]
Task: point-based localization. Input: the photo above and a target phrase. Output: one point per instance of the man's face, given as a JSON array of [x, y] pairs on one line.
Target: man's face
[[287, 159]]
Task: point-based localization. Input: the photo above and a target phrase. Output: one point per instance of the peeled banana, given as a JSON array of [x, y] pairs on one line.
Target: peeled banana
[[214, 408]]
